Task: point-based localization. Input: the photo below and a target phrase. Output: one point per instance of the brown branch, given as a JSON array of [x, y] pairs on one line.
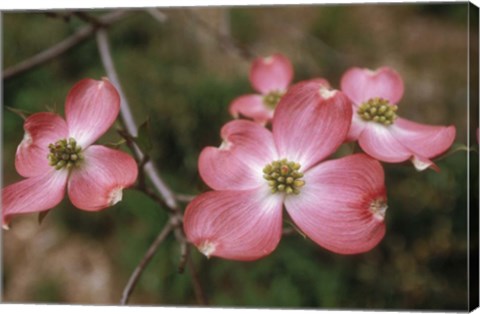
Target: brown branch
[[158, 15], [168, 196], [183, 248], [131, 126], [65, 16], [132, 282], [197, 287], [62, 47], [89, 19]]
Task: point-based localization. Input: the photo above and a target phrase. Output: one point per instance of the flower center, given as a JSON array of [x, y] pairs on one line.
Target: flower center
[[378, 110], [283, 176], [271, 99], [64, 154]]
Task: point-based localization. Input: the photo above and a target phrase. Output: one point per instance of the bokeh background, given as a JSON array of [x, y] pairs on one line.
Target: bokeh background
[[182, 75]]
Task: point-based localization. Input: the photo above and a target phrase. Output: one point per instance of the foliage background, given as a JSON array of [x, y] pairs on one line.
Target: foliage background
[[179, 75]]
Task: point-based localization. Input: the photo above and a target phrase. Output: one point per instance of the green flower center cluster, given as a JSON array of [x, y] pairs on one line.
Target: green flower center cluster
[[283, 176], [64, 154], [378, 110], [271, 99]]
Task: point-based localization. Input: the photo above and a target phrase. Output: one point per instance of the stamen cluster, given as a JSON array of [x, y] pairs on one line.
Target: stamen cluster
[[378, 110], [271, 99], [283, 176], [64, 154]]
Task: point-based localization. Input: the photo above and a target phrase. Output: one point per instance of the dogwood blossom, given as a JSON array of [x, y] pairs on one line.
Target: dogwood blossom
[[271, 77], [339, 204], [57, 155], [380, 132]]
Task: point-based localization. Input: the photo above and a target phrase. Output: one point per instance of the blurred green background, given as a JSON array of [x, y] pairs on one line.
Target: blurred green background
[[178, 74]]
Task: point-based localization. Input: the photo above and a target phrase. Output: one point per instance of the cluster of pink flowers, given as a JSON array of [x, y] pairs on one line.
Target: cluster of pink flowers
[[57, 155], [256, 171], [277, 160]]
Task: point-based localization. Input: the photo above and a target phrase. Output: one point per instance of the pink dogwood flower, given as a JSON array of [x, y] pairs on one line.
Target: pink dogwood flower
[[271, 77], [377, 127], [339, 204], [57, 155]]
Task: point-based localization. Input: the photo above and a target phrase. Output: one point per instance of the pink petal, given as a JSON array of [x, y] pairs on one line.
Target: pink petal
[[100, 180], [91, 108], [238, 225], [334, 206], [238, 163], [423, 140], [356, 128], [273, 73], [379, 142], [311, 122], [361, 85], [251, 106], [41, 129], [34, 194]]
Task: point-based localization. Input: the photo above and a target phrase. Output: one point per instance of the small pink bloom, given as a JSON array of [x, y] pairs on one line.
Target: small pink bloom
[[56, 154], [379, 131], [340, 204], [271, 77]]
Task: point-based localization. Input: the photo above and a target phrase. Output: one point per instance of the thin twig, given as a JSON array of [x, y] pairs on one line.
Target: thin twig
[[185, 198], [127, 117], [89, 19], [132, 282], [224, 39], [289, 231], [168, 196], [197, 287], [157, 14], [65, 16], [62, 47], [183, 249]]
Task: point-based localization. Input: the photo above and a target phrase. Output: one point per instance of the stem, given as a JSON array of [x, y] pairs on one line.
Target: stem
[[63, 46], [197, 287], [185, 198], [157, 14], [176, 216], [132, 282], [223, 38], [127, 117]]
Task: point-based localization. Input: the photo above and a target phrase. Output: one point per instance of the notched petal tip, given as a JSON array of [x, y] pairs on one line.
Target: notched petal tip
[[226, 145], [115, 196], [5, 226], [421, 164], [378, 207], [207, 248], [268, 59], [326, 92]]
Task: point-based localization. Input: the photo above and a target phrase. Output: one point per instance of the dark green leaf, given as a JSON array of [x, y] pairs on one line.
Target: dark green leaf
[[144, 139]]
